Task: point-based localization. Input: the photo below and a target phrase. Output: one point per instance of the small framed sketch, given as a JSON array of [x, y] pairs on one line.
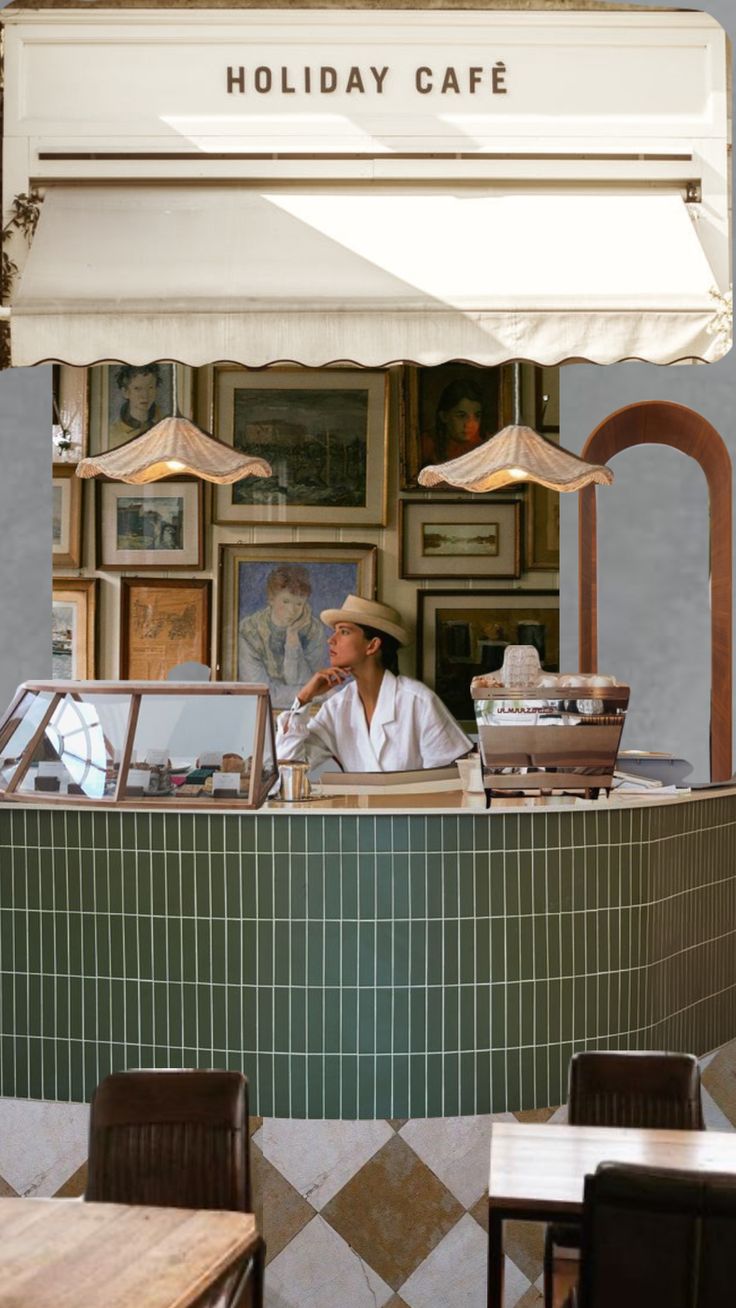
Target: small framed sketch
[[66, 517], [461, 633], [163, 622], [448, 411], [73, 629], [324, 433], [459, 539], [126, 401], [158, 525], [271, 597]]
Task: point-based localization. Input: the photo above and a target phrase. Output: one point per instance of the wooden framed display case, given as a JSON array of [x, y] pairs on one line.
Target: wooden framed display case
[[149, 742]]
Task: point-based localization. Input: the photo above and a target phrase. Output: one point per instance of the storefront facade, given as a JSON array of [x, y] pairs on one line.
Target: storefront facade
[[332, 159]]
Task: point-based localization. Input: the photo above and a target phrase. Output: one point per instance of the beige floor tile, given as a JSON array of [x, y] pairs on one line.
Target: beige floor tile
[[457, 1149], [394, 1212], [280, 1210], [534, 1114], [74, 1186], [524, 1244]]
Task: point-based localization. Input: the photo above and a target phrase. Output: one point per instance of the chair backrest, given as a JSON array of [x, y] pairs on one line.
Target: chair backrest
[[191, 671], [658, 1236], [635, 1089], [172, 1138]]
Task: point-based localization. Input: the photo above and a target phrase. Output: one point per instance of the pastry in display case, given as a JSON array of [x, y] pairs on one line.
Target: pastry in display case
[[152, 743]]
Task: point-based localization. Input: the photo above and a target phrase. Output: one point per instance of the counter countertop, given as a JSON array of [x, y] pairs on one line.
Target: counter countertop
[[390, 802]]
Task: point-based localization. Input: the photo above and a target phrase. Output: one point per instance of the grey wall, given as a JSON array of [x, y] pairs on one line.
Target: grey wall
[[25, 513]]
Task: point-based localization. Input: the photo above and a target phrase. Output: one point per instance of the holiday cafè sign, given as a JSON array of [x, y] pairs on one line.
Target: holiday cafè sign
[[325, 79], [117, 84]]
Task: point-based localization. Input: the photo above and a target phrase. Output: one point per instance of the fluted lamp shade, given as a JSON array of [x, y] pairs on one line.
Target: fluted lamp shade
[[174, 445], [516, 454]]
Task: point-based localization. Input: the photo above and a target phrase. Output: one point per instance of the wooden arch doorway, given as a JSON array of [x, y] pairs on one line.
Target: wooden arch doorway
[[659, 422]]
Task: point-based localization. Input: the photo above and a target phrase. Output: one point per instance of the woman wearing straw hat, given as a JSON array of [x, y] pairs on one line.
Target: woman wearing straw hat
[[379, 721]]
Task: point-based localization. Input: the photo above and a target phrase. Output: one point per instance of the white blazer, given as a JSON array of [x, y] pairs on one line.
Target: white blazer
[[410, 729]]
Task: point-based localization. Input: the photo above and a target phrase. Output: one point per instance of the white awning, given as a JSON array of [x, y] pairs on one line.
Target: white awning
[[314, 274]]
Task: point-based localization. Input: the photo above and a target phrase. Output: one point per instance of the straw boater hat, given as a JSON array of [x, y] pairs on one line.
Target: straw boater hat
[[368, 613]]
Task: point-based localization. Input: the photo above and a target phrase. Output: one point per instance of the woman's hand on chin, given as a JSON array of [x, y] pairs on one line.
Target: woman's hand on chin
[[323, 680]]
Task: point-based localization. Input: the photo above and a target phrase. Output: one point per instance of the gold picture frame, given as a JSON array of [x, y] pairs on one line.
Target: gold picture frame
[[157, 525], [426, 389], [74, 604], [453, 539], [257, 582], [164, 621], [323, 430], [66, 516], [121, 410], [462, 633]]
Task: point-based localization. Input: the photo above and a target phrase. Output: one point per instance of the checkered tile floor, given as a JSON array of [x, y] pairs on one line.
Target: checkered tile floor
[[365, 1214]]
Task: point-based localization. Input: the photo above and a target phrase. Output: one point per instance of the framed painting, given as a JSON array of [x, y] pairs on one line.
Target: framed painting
[[66, 517], [158, 525], [542, 549], [457, 539], [449, 410], [126, 400], [69, 418], [271, 597], [163, 622], [73, 629], [461, 633], [324, 433]]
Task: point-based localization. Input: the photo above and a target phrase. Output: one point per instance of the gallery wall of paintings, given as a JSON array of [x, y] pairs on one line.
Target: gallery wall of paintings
[[148, 577]]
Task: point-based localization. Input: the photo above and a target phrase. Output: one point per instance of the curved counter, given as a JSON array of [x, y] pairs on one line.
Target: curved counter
[[359, 961]]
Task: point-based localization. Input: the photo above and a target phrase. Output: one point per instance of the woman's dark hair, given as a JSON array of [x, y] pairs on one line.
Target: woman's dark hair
[[454, 392], [389, 647]]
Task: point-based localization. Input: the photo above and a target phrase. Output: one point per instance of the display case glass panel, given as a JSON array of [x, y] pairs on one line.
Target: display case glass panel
[[159, 743]]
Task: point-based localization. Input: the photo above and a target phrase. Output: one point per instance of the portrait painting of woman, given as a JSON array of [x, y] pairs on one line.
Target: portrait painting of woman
[[449, 410]]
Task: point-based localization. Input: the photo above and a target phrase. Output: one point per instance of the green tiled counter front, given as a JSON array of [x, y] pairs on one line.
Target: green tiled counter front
[[384, 965]]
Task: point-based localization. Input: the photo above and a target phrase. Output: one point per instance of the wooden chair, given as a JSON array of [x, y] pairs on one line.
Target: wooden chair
[[660, 1090], [657, 1236], [175, 1139]]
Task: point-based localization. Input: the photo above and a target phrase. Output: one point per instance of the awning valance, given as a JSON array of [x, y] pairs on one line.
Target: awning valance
[[315, 274]]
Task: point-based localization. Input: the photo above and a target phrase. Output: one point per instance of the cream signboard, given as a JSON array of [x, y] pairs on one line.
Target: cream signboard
[[365, 81]]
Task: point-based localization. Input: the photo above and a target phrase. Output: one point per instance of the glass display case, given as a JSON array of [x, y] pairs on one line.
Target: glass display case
[[156, 743]]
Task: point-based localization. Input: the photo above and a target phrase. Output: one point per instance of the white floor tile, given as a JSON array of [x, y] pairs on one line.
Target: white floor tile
[[319, 1158], [319, 1270], [41, 1144], [454, 1274]]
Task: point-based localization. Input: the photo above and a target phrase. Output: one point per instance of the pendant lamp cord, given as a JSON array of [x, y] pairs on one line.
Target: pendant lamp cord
[[516, 394]]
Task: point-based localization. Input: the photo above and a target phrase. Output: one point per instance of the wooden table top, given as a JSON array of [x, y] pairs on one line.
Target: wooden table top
[[536, 1166], [92, 1255]]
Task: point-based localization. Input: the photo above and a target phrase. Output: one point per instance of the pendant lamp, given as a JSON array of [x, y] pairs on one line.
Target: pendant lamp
[[516, 454], [174, 445]]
